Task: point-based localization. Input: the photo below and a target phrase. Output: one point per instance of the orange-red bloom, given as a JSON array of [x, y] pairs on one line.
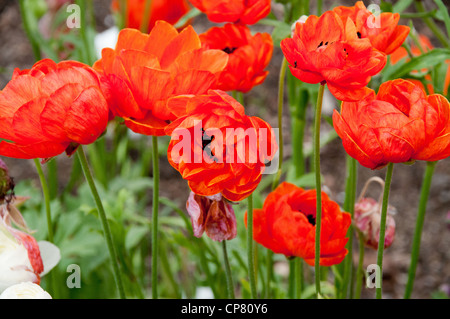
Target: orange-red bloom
[[399, 124], [383, 31], [248, 55], [325, 50], [51, 108], [217, 148], [238, 11], [170, 11], [145, 71], [287, 225]]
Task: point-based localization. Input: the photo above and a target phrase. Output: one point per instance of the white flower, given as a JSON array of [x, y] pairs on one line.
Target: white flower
[[22, 259], [25, 290]]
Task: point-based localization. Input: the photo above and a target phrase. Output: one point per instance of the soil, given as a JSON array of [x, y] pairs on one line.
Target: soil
[[433, 270]]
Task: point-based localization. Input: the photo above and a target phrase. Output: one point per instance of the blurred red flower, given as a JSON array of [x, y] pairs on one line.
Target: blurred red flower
[[324, 50], [383, 31], [398, 125], [223, 150], [238, 11], [248, 55], [212, 214], [169, 11], [287, 225], [145, 71], [51, 108]]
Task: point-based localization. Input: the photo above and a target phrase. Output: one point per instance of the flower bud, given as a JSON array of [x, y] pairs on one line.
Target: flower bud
[[213, 214], [367, 220], [6, 182]]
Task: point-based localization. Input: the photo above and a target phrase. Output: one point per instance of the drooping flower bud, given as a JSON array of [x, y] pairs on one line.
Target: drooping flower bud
[[213, 214], [367, 219]]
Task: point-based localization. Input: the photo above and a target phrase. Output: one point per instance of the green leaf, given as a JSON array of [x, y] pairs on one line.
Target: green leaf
[[134, 236], [443, 10], [401, 6], [427, 60]]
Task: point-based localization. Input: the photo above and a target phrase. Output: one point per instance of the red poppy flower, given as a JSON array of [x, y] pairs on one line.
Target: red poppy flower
[[51, 108], [222, 149], [248, 55], [324, 50], [383, 31], [212, 214], [287, 225], [398, 125], [169, 11], [145, 71], [238, 11]]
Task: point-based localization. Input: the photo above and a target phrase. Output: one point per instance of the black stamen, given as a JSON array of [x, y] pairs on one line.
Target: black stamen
[[311, 219], [359, 34], [295, 64], [321, 43], [229, 50]]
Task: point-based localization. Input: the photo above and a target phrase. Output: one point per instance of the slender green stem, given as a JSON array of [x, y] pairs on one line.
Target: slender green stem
[[269, 262], [319, 7], [28, 30], [426, 184], [298, 278], [155, 218], [318, 185], [349, 207], [104, 221], [146, 16], [387, 187], [230, 288], [360, 272], [46, 192], [282, 76], [250, 251], [432, 25], [291, 286], [87, 45]]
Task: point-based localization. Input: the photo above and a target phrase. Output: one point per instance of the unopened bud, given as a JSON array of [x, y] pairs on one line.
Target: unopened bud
[[213, 214], [367, 220]]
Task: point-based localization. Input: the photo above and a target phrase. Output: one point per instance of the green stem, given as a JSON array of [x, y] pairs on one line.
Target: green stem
[[155, 218], [298, 278], [282, 76], [426, 184], [432, 25], [291, 287], [318, 185], [103, 219], [384, 207], [360, 272], [28, 30], [230, 288], [349, 207], [87, 45], [46, 192], [269, 262], [146, 16], [250, 251]]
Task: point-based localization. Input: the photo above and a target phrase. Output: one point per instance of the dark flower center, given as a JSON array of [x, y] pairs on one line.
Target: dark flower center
[[311, 219], [229, 50], [359, 34]]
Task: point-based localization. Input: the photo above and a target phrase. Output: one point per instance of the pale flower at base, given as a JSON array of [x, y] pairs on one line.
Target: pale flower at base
[[22, 258], [25, 290]]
